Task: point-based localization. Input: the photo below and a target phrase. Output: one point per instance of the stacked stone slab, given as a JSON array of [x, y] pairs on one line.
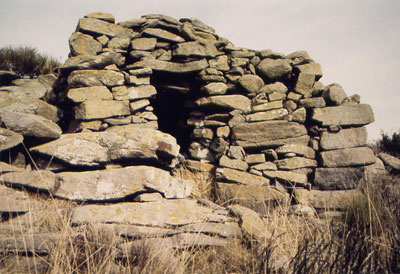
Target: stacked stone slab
[[262, 117]]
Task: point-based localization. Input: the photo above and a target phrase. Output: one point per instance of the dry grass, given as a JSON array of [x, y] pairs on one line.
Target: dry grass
[[365, 240]]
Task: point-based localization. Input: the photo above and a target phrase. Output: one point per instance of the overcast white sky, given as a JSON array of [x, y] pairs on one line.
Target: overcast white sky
[[357, 42]]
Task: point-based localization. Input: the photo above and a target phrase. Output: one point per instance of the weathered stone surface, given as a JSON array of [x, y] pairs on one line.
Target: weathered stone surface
[[311, 68], [345, 138], [5, 168], [40, 244], [177, 241], [265, 166], [9, 139], [225, 161], [98, 148], [28, 88], [220, 63], [260, 134], [338, 178], [304, 84], [79, 95], [231, 102], [251, 223], [226, 230], [299, 150], [119, 43], [315, 102], [275, 87], [172, 67], [215, 88], [30, 125], [98, 109], [256, 197], [267, 106], [195, 49], [93, 61], [287, 176], [23, 264], [115, 184], [147, 44], [108, 17], [344, 115], [267, 115], [276, 96], [295, 163], [299, 115], [334, 95], [274, 69], [31, 106], [255, 158], [13, 201], [239, 177], [84, 44], [163, 35], [358, 156], [392, 162], [134, 93], [99, 27], [161, 213], [328, 200], [87, 78], [251, 83], [138, 105], [42, 180]]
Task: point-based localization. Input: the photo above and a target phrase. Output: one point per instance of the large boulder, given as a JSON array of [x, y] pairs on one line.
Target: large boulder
[[83, 44], [116, 184], [97, 27], [98, 148], [274, 69], [30, 125], [161, 213], [260, 134], [345, 138], [344, 115], [357, 156], [87, 78], [229, 102], [31, 106], [193, 66], [9, 139], [338, 178]]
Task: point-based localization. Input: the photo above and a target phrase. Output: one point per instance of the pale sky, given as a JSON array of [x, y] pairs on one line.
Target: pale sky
[[357, 42]]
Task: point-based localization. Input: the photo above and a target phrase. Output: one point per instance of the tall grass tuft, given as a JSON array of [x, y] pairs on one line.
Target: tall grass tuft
[[26, 61]]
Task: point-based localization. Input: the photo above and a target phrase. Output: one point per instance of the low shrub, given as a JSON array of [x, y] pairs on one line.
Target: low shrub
[[26, 61]]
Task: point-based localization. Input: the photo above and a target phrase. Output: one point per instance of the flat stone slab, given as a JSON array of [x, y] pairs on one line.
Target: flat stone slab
[[259, 198], [98, 148], [31, 106], [287, 176], [160, 213], [172, 67], [344, 115], [265, 134], [13, 201], [338, 178], [328, 200], [251, 223], [5, 168], [294, 163], [299, 150], [178, 241], [230, 102], [118, 183], [390, 161], [89, 77], [163, 35], [100, 109], [30, 125], [79, 95], [239, 177], [99, 27], [9, 139], [43, 180], [345, 138], [357, 156], [40, 244]]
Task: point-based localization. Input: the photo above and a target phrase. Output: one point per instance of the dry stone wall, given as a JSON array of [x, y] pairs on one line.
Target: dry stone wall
[[138, 99], [248, 112]]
